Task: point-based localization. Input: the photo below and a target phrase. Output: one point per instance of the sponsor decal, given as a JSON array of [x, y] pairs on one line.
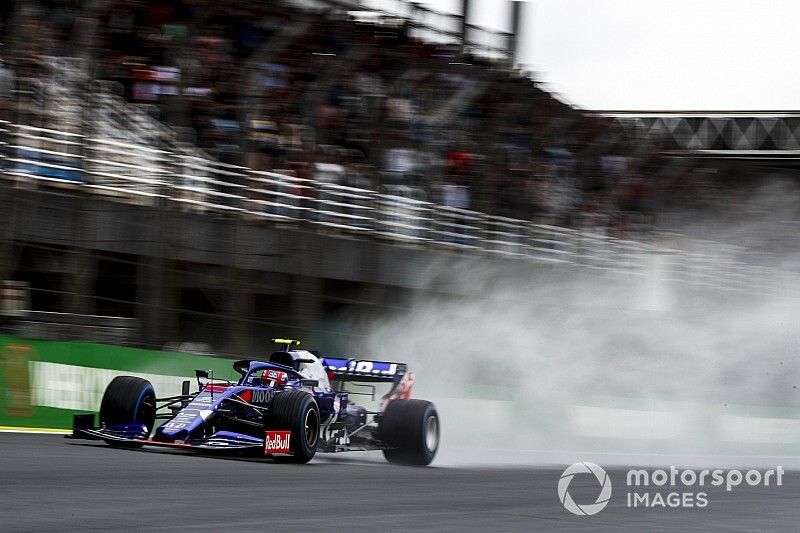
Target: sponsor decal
[[277, 442], [367, 367], [262, 396]]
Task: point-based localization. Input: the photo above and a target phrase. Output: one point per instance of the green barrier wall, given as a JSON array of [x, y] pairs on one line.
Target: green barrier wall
[[43, 383]]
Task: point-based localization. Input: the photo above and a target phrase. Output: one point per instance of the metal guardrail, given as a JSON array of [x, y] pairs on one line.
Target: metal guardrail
[[140, 174], [118, 150], [69, 326]]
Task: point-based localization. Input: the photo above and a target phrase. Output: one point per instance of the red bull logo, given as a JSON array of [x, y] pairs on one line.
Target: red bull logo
[[277, 442]]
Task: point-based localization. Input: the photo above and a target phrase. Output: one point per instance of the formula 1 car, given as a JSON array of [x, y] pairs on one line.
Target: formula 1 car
[[289, 407]]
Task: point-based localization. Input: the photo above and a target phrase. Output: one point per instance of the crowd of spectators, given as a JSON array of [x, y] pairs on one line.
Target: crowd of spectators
[[325, 97]]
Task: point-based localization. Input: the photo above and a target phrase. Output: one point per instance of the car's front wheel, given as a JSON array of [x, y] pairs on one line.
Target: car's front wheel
[[128, 400], [298, 412]]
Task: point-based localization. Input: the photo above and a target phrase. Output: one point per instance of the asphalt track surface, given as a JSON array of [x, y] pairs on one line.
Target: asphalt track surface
[[48, 483]]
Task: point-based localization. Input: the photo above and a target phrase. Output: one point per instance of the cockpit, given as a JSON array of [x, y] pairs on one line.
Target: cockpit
[[299, 364]]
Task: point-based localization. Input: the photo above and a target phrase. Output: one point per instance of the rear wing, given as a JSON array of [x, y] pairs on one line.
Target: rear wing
[[365, 371]]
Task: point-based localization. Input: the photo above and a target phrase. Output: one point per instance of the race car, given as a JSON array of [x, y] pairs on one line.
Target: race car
[[290, 407]]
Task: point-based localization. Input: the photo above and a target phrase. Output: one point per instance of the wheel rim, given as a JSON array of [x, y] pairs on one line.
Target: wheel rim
[[311, 427], [432, 433], [146, 410]]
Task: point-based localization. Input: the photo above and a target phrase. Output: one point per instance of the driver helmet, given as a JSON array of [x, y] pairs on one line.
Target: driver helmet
[[273, 378]]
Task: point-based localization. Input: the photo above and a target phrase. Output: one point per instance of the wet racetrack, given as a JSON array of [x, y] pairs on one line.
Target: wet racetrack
[[53, 484]]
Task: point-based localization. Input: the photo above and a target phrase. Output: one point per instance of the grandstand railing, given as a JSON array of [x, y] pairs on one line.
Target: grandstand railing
[[132, 172], [118, 150]]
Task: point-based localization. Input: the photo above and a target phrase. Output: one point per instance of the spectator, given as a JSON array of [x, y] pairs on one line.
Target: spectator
[[327, 92], [7, 85]]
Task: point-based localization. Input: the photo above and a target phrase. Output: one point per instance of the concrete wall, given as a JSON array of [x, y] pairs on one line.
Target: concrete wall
[[192, 276]]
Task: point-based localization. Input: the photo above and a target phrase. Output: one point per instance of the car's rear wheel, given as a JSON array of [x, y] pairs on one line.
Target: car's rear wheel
[[298, 412], [411, 429], [128, 400]]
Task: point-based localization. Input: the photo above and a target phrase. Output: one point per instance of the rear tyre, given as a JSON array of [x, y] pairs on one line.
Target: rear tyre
[[128, 400], [297, 411], [411, 428]]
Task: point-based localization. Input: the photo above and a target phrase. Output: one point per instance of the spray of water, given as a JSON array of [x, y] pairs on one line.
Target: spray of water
[[539, 365]]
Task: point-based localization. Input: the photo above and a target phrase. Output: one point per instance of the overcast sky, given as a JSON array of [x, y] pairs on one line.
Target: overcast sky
[[658, 54]]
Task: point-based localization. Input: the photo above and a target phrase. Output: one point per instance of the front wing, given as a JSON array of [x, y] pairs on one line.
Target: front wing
[[135, 434], [212, 443]]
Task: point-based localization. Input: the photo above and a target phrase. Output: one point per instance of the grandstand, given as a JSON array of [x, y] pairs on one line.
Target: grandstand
[[333, 96], [214, 170]]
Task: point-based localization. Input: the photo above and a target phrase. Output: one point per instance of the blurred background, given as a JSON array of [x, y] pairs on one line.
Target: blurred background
[[203, 176]]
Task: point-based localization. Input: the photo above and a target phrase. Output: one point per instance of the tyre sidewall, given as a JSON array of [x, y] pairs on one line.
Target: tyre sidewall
[[300, 446], [428, 454], [289, 411], [404, 427]]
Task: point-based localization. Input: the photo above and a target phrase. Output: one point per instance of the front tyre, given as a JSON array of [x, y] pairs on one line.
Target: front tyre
[[128, 400], [297, 411], [411, 428]]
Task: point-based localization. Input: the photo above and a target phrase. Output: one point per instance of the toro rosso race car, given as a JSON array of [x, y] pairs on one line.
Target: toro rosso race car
[[290, 406]]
